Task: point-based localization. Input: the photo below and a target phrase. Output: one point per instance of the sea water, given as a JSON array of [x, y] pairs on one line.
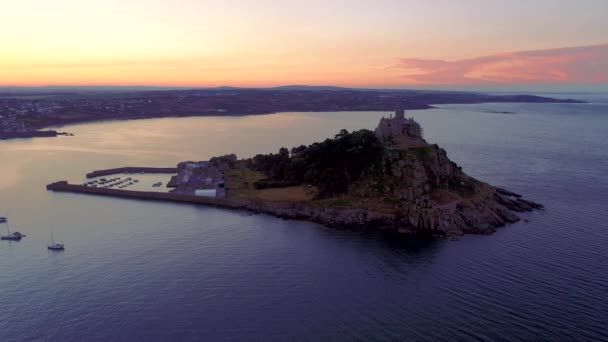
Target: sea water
[[151, 271]]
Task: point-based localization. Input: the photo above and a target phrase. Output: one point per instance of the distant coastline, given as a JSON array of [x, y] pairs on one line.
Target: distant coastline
[[36, 111]]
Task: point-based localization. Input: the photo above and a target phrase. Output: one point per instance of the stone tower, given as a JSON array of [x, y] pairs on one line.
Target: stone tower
[[398, 126], [400, 114]]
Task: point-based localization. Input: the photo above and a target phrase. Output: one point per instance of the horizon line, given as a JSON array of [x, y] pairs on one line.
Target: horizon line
[[413, 86]]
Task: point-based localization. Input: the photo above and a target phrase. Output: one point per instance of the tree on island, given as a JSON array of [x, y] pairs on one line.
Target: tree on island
[[330, 165]]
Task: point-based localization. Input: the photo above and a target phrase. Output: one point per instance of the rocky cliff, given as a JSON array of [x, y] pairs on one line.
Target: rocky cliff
[[430, 194]]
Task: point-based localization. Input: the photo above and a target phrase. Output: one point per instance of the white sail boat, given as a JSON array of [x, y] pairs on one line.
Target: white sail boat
[[55, 246]]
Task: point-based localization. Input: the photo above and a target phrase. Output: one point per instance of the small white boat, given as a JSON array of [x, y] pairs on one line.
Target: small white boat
[[55, 246]]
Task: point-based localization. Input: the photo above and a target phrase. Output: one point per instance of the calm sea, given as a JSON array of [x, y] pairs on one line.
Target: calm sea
[[136, 270]]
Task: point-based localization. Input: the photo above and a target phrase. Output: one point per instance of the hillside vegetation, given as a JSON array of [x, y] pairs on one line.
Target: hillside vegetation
[[331, 165]]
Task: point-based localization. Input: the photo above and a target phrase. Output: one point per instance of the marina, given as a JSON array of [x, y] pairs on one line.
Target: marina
[[128, 181]]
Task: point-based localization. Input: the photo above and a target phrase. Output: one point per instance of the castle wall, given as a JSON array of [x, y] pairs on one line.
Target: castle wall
[[397, 126]]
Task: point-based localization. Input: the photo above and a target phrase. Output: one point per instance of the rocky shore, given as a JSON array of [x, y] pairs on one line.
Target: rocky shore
[[483, 216]]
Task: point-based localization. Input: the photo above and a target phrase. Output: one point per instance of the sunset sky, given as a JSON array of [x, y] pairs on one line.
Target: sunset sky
[[362, 43]]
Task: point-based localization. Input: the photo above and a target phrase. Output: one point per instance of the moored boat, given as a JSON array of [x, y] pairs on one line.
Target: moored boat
[[12, 236], [55, 246]]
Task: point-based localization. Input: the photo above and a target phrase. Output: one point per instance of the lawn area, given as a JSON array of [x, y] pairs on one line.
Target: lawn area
[[239, 184], [290, 193]]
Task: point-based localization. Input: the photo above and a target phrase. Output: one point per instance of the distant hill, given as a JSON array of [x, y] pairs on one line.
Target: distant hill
[[504, 90], [306, 87]]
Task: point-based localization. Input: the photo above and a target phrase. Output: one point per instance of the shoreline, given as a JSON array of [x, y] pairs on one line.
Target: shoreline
[[413, 106], [216, 115], [247, 102]]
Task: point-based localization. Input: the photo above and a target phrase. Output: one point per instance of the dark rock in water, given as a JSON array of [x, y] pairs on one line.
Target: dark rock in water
[[517, 203], [507, 192]]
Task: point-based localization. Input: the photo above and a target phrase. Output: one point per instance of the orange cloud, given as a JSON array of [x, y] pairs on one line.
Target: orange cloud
[[580, 65]]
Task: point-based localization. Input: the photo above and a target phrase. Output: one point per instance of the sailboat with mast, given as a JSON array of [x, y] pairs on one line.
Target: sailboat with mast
[[12, 236], [55, 246]]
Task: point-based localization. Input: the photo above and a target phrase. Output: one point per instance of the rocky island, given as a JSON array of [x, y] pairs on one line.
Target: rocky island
[[389, 178]]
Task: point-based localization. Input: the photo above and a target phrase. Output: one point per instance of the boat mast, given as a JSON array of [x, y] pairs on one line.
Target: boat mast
[[8, 228]]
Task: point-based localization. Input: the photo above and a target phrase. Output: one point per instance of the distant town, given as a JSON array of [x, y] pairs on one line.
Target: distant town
[[23, 112]]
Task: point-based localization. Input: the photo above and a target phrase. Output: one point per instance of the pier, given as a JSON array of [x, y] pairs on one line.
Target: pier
[[64, 186]]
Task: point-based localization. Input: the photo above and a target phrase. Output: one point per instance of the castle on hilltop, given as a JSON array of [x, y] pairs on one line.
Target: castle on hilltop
[[398, 126]]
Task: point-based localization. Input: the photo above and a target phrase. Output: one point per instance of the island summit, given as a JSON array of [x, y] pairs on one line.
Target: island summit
[[389, 178]]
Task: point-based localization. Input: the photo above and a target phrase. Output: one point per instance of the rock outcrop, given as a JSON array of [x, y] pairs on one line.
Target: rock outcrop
[[432, 195]]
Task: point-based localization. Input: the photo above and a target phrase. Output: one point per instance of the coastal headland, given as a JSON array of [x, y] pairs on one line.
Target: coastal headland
[[390, 178]]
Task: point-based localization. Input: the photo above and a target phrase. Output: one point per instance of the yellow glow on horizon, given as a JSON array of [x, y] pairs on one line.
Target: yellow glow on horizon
[[253, 43]]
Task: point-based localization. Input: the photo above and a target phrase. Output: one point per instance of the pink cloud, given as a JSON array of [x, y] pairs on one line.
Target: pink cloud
[[581, 65]]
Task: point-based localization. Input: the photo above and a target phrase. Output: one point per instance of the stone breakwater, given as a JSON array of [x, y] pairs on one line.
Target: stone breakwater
[[131, 169], [481, 216]]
